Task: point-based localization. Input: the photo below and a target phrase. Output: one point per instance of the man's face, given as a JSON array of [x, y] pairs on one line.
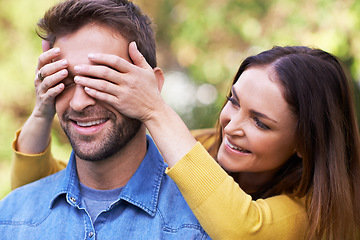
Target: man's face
[[95, 129]]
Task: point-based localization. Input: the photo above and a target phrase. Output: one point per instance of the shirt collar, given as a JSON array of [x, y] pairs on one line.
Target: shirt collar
[[142, 190], [68, 185]]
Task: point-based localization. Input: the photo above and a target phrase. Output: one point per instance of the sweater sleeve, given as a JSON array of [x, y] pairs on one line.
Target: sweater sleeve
[[225, 211], [27, 168]]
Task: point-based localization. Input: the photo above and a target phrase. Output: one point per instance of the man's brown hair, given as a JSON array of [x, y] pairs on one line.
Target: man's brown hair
[[120, 15]]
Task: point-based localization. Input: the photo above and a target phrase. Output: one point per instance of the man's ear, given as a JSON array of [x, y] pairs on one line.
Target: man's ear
[[159, 77]]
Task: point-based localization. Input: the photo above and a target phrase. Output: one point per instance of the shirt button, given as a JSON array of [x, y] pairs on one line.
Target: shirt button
[[72, 199], [91, 234]]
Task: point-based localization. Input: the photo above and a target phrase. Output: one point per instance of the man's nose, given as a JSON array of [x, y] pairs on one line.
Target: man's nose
[[80, 99]]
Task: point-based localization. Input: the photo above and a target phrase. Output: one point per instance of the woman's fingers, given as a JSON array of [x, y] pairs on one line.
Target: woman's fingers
[[49, 74], [102, 96], [138, 59], [51, 68], [117, 63], [98, 84], [52, 80], [120, 64], [98, 71], [47, 57]]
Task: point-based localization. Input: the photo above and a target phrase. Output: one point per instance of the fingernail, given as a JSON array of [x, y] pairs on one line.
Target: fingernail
[[87, 89], [77, 68], [91, 56], [77, 79], [135, 44], [57, 50], [64, 63]]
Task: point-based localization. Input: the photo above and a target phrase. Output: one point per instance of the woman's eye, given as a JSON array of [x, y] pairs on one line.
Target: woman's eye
[[260, 124], [233, 101]]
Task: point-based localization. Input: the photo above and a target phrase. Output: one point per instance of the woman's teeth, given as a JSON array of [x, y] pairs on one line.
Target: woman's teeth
[[91, 123], [236, 148]]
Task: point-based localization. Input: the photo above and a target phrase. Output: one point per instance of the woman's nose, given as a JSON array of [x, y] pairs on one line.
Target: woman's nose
[[235, 125]]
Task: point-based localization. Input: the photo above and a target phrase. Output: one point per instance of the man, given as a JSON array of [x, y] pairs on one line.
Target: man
[[114, 186]]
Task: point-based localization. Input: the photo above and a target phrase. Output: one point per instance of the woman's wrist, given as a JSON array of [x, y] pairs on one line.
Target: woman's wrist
[[35, 135], [170, 134], [42, 114]]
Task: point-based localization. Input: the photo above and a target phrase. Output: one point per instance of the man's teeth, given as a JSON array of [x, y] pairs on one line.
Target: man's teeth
[[91, 123], [236, 148]]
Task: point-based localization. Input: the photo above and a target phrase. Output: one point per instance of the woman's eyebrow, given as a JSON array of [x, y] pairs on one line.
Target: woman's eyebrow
[[262, 115]]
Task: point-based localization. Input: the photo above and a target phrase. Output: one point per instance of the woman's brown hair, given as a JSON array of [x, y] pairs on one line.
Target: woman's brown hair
[[318, 91]]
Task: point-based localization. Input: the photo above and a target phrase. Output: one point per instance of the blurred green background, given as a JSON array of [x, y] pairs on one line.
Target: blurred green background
[[200, 44]]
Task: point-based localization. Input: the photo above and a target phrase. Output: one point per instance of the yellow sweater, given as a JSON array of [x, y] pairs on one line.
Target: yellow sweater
[[27, 168], [227, 212], [222, 208]]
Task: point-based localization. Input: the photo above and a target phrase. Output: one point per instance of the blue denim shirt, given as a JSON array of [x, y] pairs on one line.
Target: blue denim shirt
[[150, 206]]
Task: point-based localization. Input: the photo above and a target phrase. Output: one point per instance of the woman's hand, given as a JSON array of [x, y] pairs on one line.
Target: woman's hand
[[49, 74], [35, 134], [131, 88], [134, 90]]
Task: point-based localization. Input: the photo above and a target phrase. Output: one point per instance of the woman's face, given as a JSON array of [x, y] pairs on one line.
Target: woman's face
[[258, 125]]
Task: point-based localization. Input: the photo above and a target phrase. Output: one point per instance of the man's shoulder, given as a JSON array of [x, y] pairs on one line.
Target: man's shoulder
[[30, 199], [175, 213], [172, 201]]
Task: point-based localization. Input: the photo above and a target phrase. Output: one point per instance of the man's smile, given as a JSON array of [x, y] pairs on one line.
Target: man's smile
[[89, 127], [90, 123]]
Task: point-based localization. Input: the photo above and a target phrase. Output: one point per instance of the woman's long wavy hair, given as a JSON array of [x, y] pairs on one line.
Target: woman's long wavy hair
[[318, 91]]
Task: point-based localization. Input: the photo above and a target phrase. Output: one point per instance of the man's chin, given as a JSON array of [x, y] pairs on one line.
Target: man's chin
[[94, 151], [104, 145]]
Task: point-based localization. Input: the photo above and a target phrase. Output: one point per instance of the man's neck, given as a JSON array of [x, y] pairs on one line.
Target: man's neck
[[115, 171]]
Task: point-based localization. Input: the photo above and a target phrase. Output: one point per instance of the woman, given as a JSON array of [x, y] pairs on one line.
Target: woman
[[287, 135]]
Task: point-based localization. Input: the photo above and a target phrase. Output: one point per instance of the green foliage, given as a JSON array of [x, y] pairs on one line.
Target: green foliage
[[204, 39], [207, 39]]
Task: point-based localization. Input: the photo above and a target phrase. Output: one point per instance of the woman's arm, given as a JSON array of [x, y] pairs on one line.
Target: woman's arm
[[32, 158], [227, 212], [27, 168], [35, 135]]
